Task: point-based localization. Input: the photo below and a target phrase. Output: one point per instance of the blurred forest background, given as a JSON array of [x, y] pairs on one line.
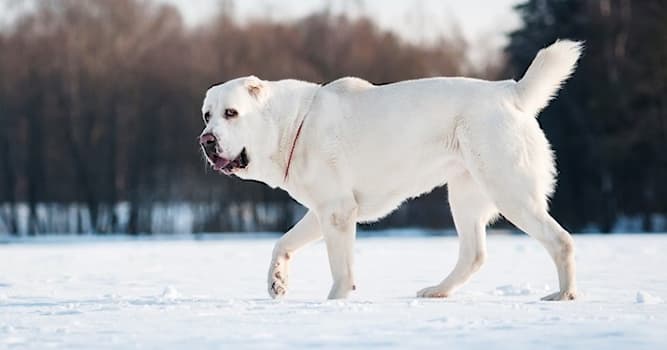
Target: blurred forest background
[[99, 111]]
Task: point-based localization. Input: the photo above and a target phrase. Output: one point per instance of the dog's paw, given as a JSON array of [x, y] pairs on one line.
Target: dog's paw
[[561, 296], [432, 292], [277, 289], [341, 290], [277, 282]]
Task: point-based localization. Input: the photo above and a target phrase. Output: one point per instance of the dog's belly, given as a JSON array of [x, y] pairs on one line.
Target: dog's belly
[[377, 199]]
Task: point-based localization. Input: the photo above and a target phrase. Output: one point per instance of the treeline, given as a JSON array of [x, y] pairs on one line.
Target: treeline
[[99, 111], [609, 126]]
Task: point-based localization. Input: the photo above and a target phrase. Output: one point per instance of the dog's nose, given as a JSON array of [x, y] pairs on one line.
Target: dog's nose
[[208, 142]]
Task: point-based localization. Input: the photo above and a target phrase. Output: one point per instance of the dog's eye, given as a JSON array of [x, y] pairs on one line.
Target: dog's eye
[[231, 113], [207, 117]]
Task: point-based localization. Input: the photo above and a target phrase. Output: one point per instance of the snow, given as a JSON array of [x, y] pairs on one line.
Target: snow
[[646, 298], [211, 294]]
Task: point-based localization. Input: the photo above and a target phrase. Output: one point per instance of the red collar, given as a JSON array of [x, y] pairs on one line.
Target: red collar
[[296, 137], [291, 152]]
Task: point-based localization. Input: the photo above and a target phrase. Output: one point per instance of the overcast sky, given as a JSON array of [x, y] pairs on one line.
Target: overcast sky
[[484, 23], [479, 20]]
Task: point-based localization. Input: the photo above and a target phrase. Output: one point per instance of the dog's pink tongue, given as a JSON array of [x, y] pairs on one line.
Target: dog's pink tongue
[[221, 163]]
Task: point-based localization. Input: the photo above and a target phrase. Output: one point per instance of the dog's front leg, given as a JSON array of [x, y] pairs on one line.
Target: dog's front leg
[[338, 221], [305, 231]]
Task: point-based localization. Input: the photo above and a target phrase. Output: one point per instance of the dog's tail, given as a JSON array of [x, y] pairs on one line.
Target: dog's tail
[[550, 68]]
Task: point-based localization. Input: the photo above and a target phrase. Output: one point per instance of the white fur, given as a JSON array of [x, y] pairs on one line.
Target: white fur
[[365, 149]]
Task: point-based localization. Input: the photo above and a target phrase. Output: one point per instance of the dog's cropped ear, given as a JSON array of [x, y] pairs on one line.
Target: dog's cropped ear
[[256, 87]]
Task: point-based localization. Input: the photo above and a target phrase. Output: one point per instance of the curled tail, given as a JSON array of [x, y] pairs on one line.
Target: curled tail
[[550, 68]]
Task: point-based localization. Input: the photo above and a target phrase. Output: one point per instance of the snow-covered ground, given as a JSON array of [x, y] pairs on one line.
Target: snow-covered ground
[[211, 294]]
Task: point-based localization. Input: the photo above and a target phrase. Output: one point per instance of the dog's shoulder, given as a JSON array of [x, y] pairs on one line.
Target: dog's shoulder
[[348, 85]]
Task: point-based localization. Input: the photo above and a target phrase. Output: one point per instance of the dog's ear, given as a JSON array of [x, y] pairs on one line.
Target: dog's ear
[[255, 87]]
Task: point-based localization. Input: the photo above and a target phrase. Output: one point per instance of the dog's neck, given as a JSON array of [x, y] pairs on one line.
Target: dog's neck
[[291, 101]]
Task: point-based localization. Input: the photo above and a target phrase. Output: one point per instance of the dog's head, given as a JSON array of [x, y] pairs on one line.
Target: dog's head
[[238, 132]]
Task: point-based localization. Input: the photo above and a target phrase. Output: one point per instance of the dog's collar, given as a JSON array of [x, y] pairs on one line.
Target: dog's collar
[[298, 133]]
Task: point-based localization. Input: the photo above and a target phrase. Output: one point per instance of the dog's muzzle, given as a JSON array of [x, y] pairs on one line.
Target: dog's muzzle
[[209, 144]]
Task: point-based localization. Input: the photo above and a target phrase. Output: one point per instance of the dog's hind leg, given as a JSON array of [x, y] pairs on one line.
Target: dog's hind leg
[[557, 241], [472, 210], [307, 230], [515, 168]]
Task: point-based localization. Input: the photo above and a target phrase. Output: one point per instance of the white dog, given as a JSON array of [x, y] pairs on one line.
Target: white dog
[[352, 152]]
